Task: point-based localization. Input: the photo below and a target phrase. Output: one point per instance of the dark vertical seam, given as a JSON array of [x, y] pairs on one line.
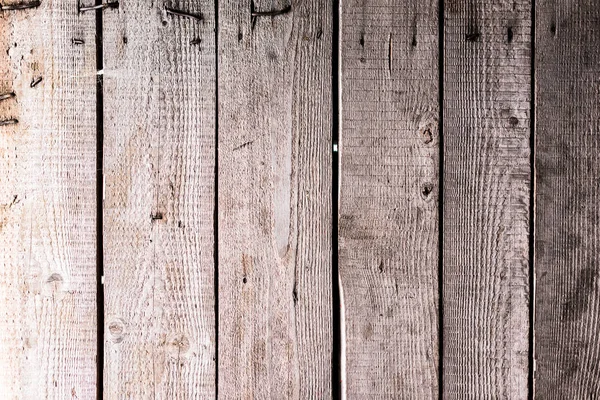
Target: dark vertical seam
[[441, 200], [532, 139], [336, 390], [99, 207], [216, 203]]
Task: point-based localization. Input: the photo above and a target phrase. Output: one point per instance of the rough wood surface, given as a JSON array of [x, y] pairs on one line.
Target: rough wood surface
[[48, 204], [275, 315], [388, 223], [159, 97], [567, 249], [487, 65]]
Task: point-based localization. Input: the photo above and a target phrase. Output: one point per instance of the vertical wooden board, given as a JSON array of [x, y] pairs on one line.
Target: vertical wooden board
[[159, 96], [388, 223], [48, 204], [275, 314], [486, 111], [567, 249]]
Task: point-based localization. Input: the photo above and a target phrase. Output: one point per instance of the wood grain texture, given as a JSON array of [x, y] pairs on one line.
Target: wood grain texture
[[159, 96], [275, 315], [487, 86], [48, 204], [567, 248], [388, 223]]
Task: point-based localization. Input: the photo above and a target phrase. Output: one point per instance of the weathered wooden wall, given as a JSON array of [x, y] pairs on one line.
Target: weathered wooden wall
[[198, 138]]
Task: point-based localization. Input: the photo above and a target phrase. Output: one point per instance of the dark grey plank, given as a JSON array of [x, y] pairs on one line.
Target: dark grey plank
[[567, 245], [487, 66]]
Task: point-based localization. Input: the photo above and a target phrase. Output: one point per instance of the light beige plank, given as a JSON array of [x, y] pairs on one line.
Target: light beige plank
[[275, 123], [388, 224], [159, 96], [48, 204]]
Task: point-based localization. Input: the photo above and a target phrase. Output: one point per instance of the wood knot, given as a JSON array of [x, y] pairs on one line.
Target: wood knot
[[54, 278], [426, 190], [116, 330], [178, 345], [55, 286], [428, 130]]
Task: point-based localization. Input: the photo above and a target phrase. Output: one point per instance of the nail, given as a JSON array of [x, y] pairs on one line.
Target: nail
[[271, 13], [113, 4], [179, 13], [9, 122], [5, 96], [21, 6], [35, 82]]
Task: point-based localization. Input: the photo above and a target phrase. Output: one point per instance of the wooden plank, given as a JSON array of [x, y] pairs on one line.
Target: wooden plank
[[48, 204], [487, 86], [275, 314], [388, 223], [159, 131], [567, 249]]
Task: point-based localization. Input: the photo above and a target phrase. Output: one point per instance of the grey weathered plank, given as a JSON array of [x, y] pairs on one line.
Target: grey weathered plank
[[275, 120], [388, 224], [487, 65], [567, 252], [159, 97], [48, 204]]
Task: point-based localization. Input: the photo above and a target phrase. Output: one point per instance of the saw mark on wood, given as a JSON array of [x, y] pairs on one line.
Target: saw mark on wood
[[243, 145]]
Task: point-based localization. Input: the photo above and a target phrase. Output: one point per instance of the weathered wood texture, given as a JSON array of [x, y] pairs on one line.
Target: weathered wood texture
[[388, 224], [486, 111], [275, 120], [567, 249], [159, 97], [48, 187]]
